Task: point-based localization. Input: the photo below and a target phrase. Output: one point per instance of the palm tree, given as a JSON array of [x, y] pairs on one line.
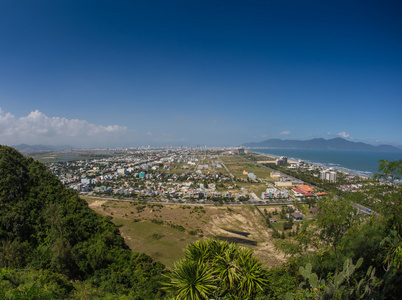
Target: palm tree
[[191, 280], [216, 269]]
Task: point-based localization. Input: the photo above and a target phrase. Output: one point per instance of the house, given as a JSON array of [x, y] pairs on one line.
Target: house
[[296, 216], [297, 192], [274, 193], [283, 183], [272, 220], [275, 174], [301, 192], [305, 188], [252, 176]]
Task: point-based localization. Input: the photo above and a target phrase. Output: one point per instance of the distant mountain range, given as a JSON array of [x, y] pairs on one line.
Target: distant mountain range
[[24, 148], [321, 144]]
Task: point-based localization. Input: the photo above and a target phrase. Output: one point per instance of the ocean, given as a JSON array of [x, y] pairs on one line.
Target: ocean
[[362, 163]]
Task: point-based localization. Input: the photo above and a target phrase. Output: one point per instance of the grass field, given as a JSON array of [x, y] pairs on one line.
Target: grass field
[[238, 164], [163, 230]]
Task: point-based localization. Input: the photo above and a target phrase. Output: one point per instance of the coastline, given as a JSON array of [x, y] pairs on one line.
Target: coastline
[[349, 172]]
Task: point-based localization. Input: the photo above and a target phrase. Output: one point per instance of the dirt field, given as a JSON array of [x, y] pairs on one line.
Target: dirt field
[[163, 230]]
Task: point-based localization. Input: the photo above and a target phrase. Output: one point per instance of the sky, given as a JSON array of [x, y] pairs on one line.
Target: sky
[[187, 73]]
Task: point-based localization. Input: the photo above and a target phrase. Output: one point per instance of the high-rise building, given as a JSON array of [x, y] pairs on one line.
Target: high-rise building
[[283, 160], [329, 175]]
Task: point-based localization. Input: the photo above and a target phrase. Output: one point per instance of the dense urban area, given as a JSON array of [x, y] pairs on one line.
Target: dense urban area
[[204, 176]]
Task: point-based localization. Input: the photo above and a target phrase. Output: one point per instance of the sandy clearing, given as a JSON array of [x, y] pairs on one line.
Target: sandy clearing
[[97, 203]]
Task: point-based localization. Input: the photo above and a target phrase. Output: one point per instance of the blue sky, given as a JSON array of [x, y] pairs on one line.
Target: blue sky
[[132, 73]]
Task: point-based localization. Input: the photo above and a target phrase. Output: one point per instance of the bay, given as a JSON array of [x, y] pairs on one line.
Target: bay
[[362, 163]]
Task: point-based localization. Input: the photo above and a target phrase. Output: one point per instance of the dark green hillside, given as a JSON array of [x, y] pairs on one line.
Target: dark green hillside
[[52, 244]]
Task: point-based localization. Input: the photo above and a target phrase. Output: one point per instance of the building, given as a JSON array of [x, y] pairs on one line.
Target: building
[[252, 176], [305, 188], [303, 191], [283, 160], [274, 193], [87, 181], [283, 183], [122, 171], [275, 174], [296, 216], [329, 175]]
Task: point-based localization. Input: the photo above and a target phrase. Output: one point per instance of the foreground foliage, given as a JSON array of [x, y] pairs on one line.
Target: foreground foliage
[[53, 245], [218, 270]]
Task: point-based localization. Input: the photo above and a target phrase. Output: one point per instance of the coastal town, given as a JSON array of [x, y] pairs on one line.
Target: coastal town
[[201, 176]]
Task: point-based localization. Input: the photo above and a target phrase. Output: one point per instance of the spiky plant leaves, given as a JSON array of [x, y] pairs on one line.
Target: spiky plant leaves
[[191, 280], [217, 269]]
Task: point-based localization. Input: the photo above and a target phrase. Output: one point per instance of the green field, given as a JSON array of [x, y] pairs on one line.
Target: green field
[[162, 231], [238, 164], [162, 243]]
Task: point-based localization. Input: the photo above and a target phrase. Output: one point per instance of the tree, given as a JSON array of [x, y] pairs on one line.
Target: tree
[[216, 269], [335, 218], [389, 170]]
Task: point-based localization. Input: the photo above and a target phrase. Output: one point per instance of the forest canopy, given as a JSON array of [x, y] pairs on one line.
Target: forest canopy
[[53, 245]]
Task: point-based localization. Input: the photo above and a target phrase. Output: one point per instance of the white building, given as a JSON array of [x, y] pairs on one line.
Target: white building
[[252, 176], [122, 171], [274, 193], [329, 175], [283, 160]]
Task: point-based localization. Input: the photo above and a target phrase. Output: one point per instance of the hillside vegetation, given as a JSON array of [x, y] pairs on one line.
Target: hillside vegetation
[[52, 245]]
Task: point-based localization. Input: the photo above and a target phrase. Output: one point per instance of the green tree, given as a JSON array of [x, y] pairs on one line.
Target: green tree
[[335, 218], [389, 170], [216, 269]]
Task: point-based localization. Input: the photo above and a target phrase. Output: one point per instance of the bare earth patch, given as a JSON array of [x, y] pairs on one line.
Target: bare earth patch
[[163, 230], [96, 204]]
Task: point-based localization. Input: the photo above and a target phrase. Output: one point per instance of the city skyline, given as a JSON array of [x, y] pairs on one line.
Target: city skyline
[[105, 74]]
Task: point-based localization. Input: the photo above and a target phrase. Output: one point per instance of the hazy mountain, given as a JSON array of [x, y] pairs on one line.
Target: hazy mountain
[[321, 144]]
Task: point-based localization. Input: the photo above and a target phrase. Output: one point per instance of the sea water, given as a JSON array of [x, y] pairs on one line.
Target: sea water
[[362, 163]]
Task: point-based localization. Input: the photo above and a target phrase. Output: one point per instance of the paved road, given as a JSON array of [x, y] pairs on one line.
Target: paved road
[[229, 172], [364, 209]]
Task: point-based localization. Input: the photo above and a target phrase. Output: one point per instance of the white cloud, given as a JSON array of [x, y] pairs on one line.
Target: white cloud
[[37, 128], [342, 134], [285, 132]]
